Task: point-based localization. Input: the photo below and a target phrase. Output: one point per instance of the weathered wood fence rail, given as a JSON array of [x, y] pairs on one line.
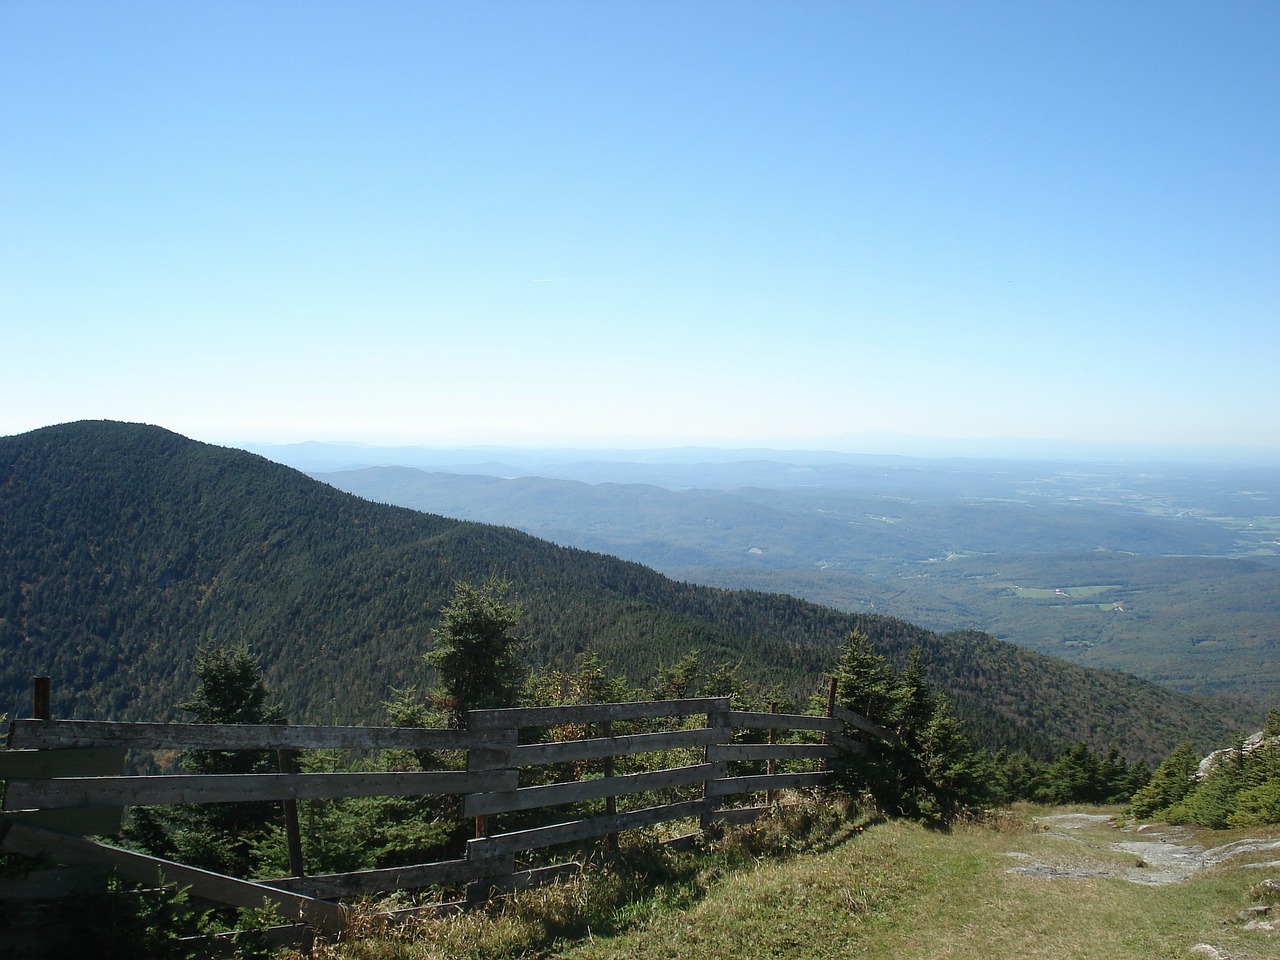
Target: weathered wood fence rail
[[64, 783]]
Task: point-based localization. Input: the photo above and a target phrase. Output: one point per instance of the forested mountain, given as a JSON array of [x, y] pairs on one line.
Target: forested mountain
[[1168, 571], [125, 547]]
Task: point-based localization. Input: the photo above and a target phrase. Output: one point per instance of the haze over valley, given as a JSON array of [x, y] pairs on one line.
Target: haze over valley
[[1165, 570]]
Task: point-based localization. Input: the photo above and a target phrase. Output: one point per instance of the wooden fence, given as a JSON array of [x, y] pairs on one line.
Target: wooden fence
[[65, 783]]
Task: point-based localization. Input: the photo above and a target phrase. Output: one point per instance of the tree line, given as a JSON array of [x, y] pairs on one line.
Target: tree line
[[929, 770], [126, 548], [1238, 786]]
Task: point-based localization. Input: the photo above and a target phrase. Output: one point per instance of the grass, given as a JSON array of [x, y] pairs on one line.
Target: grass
[[900, 890], [894, 889]]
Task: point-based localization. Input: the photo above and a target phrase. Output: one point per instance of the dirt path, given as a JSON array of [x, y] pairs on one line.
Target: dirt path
[[1162, 855]]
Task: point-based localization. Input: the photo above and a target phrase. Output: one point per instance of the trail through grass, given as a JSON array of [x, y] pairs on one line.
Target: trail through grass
[[1031, 884], [905, 892]]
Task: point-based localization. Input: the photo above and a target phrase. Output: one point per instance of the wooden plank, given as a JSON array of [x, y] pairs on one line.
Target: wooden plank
[[771, 751], [416, 876], [554, 794], [42, 764], [229, 788], [782, 721], [55, 883], [77, 821], [448, 908], [590, 713], [847, 716], [19, 767], [572, 751], [778, 781], [717, 719], [845, 745], [204, 884], [575, 831], [686, 841], [739, 815], [526, 879], [53, 734]]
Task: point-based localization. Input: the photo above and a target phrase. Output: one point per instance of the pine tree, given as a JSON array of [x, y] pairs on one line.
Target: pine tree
[[864, 680], [1170, 784], [221, 836], [930, 771], [476, 656]]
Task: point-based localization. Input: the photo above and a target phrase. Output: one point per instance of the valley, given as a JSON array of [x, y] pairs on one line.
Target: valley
[[126, 548], [1170, 572]]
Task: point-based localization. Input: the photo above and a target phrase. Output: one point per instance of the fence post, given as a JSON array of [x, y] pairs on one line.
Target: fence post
[[717, 719], [41, 708], [610, 802], [771, 766], [287, 762], [503, 738], [831, 712]]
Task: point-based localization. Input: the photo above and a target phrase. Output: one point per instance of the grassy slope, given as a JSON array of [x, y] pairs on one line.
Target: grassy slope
[[893, 890], [902, 891]]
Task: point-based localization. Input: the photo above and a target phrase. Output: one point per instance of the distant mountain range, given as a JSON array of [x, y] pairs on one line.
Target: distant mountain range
[[124, 547], [1166, 571]]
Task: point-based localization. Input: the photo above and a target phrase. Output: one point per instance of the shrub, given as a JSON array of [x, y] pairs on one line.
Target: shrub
[[1257, 806]]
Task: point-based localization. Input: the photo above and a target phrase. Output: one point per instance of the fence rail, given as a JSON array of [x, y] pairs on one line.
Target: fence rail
[[65, 781]]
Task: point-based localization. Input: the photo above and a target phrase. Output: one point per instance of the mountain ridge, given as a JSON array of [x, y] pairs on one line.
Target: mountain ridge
[[1168, 577], [125, 546]]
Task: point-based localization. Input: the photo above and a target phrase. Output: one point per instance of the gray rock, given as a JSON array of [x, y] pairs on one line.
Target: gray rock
[[1251, 743]]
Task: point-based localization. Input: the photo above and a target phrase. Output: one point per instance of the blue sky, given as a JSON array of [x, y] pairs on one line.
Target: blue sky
[[789, 224]]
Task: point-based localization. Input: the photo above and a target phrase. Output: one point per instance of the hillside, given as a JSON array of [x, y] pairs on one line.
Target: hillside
[[1166, 571], [124, 547]]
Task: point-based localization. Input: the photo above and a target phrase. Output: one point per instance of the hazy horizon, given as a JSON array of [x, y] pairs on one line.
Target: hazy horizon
[[906, 447], [866, 447]]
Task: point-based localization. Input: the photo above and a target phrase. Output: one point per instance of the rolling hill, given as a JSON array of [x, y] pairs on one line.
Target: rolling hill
[[124, 547], [1168, 572]]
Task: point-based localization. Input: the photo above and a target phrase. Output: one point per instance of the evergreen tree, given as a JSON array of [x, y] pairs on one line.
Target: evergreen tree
[[1271, 725], [476, 656], [864, 680], [1239, 787], [1013, 777], [1258, 802], [1074, 777], [692, 677], [230, 689], [588, 682], [217, 836], [930, 770], [955, 776], [1171, 782]]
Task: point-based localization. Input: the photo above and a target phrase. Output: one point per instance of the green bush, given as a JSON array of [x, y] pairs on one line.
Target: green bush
[[1257, 806], [1171, 782], [1241, 788]]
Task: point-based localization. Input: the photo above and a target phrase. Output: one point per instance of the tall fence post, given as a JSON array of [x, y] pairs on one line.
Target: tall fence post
[[610, 802], [717, 719], [502, 737], [287, 762], [41, 702], [831, 712], [771, 766]]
